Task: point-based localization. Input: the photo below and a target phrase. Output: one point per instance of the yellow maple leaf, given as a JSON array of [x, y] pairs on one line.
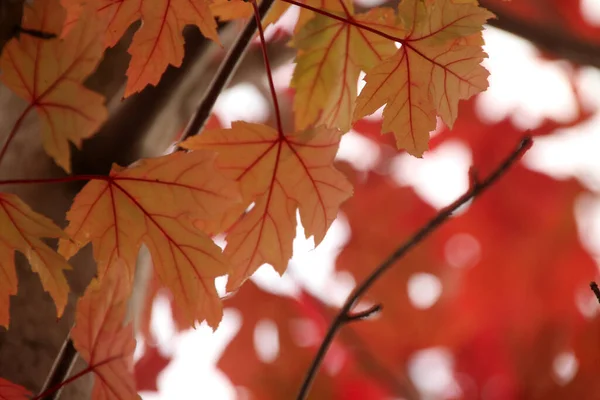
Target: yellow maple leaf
[[156, 202], [331, 54], [49, 74], [437, 65], [101, 338], [280, 174], [22, 229], [280, 7]]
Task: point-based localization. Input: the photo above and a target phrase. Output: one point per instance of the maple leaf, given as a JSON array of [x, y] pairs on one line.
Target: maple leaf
[[22, 229], [148, 367], [116, 16], [279, 173], [331, 54], [101, 339], [437, 65], [155, 202], [49, 74], [280, 7], [12, 391], [159, 41]]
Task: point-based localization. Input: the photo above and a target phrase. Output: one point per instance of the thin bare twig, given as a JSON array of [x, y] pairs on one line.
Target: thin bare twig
[[595, 289], [358, 316], [551, 39], [399, 385], [225, 73], [343, 316]]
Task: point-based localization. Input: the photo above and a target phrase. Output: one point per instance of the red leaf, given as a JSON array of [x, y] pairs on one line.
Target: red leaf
[[147, 368], [11, 391]]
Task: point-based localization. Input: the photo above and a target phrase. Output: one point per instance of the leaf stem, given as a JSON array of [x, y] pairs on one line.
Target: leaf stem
[[225, 73], [263, 46], [344, 316]]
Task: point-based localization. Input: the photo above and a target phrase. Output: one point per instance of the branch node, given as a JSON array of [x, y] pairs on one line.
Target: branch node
[[365, 314], [473, 177], [444, 215]]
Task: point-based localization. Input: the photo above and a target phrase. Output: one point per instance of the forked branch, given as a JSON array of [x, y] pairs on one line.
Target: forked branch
[[345, 315]]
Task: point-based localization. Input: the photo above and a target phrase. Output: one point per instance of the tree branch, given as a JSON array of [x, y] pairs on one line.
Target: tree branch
[[369, 363], [63, 364], [550, 39], [225, 73], [595, 289], [68, 354], [358, 316], [345, 314]]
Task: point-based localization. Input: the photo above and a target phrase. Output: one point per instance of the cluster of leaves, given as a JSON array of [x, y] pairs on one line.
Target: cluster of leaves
[[249, 181], [513, 273], [506, 317]]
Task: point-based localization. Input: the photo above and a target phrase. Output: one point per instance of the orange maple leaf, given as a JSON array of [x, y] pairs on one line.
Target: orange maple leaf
[[437, 65], [156, 202], [101, 339], [22, 229], [280, 173], [12, 391], [158, 42], [331, 54], [116, 16], [49, 74]]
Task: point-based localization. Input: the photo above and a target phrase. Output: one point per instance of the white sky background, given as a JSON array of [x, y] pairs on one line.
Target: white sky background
[[521, 87]]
